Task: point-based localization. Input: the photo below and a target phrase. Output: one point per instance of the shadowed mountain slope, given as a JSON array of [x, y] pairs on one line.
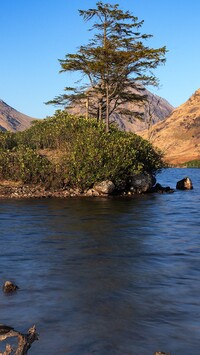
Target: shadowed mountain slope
[[12, 120], [156, 109]]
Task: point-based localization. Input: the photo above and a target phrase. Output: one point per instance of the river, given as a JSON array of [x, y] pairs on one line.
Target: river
[[105, 275]]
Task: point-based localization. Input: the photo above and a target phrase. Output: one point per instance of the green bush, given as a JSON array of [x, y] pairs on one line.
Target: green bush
[[84, 153], [24, 164], [95, 156], [8, 140]]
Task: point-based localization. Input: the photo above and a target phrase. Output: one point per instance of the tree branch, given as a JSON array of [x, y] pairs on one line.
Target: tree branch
[[24, 340]]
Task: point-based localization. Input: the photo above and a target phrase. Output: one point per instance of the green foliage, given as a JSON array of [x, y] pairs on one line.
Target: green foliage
[[24, 164], [69, 150], [8, 140], [55, 132], [31, 166], [115, 156], [192, 164]]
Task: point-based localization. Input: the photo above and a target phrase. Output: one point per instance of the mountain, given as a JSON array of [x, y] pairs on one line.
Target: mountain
[[179, 135], [12, 120], [157, 107]]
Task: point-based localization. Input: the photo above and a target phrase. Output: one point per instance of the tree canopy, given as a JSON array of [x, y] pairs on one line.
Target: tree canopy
[[116, 63]]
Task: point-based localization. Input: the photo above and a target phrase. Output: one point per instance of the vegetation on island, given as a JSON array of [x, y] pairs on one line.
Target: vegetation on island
[[70, 151], [192, 163]]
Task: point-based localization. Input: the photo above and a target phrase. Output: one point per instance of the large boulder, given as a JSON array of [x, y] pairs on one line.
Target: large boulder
[[141, 183], [184, 184], [104, 187]]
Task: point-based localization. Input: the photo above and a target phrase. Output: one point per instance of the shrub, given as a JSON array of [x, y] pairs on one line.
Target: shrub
[[95, 156], [86, 153], [24, 164], [8, 140]]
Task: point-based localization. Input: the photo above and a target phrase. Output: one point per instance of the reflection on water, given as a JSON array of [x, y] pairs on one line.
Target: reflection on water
[[105, 276]]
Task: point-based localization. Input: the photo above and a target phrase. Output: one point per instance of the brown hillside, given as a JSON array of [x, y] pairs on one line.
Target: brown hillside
[[179, 135], [12, 120]]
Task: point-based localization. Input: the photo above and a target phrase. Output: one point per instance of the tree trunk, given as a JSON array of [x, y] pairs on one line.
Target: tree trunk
[[100, 112], [107, 108], [87, 108]]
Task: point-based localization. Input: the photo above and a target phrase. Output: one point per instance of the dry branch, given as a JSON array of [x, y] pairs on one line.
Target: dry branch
[[24, 340]]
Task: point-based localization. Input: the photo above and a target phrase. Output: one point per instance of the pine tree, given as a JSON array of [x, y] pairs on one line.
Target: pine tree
[[116, 63]]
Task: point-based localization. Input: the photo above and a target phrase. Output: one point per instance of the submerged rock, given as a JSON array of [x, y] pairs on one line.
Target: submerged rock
[[161, 189], [9, 287], [184, 184]]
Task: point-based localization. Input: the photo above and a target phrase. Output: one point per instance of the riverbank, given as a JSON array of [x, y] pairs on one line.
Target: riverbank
[[137, 184], [13, 190], [18, 190]]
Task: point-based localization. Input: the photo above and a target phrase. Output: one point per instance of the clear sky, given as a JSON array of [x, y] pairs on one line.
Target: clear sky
[[34, 34]]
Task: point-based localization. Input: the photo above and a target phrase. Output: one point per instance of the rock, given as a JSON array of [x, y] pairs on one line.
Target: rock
[[9, 287], [184, 184], [141, 183], [91, 192], [105, 187], [161, 353], [161, 189]]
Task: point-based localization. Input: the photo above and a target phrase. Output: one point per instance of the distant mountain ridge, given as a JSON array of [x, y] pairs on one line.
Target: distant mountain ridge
[[156, 106], [178, 136], [13, 120]]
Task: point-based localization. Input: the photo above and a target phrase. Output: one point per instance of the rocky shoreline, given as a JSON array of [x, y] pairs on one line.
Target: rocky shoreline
[[139, 184]]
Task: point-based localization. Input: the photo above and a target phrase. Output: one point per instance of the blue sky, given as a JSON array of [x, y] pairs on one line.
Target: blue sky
[[34, 34]]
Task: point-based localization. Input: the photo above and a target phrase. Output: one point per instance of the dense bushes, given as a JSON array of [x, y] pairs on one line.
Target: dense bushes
[[84, 153], [97, 156], [25, 164]]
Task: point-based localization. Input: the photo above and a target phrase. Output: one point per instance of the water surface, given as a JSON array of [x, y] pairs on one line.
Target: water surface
[[105, 276]]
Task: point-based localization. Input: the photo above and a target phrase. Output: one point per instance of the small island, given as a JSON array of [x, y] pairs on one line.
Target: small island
[[67, 155]]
